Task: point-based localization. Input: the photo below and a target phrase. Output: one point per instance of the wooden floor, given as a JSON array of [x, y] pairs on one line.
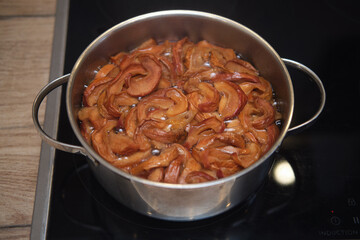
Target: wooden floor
[[26, 32]]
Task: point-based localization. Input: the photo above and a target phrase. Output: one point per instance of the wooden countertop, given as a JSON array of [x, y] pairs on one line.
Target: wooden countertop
[[26, 34]]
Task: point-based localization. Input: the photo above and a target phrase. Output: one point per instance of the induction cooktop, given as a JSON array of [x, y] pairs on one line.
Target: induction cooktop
[[312, 190]]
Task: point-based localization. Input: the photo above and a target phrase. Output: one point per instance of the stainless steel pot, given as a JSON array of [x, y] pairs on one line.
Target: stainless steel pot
[[178, 201]]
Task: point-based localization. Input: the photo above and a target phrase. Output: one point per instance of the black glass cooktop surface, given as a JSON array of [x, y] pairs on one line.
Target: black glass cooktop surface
[[318, 199]]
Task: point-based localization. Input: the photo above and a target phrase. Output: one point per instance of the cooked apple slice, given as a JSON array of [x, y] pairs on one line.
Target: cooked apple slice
[[141, 86], [147, 44], [162, 160], [130, 122], [177, 56], [196, 59], [260, 114], [164, 83], [272, 133], [168, 74], [93, 91], [207, 98], [190, 165], [151, 104], [241, 66], [211, 98], [232, 101], [101, 106], [218, 56], [93, 116], [236, 77], [220, 160], [156, 175], [141, 140], [100, 141], [205, 55], [105, 70], [248, 156], [159, 131], [102, 79], [209, 124], [180, 121], [221, 139], [132, 159], [117, 84], [172, 172], [116, 105], [122, 144], [180, 102], [198, 177]]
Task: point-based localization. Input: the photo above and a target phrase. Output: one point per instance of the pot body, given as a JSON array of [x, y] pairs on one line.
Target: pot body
[[177, 201], [163, 201]]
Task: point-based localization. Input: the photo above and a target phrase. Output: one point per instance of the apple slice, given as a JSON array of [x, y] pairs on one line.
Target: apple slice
[[198, 177], [241, 66], [260, 114], [141, 86], [221, 139], [272, 133], [159, 131], [195, 131], [232, 101], [151, 104], [220, 160], [156, 175], [236, 77], [162, 160], [180, 102], [248, 156], [206, 99], [122, 144], [172, 172], [133, 159], [176, 56]]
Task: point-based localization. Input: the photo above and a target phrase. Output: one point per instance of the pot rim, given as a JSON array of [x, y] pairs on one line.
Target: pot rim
[[93, 154]]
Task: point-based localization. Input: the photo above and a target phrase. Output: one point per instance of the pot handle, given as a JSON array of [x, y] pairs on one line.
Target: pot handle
[[35, 110], [319, 84]]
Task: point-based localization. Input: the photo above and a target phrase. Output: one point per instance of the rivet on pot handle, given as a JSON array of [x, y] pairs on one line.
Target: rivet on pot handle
[[319, 84], [35, 110]]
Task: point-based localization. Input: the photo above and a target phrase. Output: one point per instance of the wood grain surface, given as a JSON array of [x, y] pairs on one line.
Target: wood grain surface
[[15, 233], [27, 7], [26, 31]]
